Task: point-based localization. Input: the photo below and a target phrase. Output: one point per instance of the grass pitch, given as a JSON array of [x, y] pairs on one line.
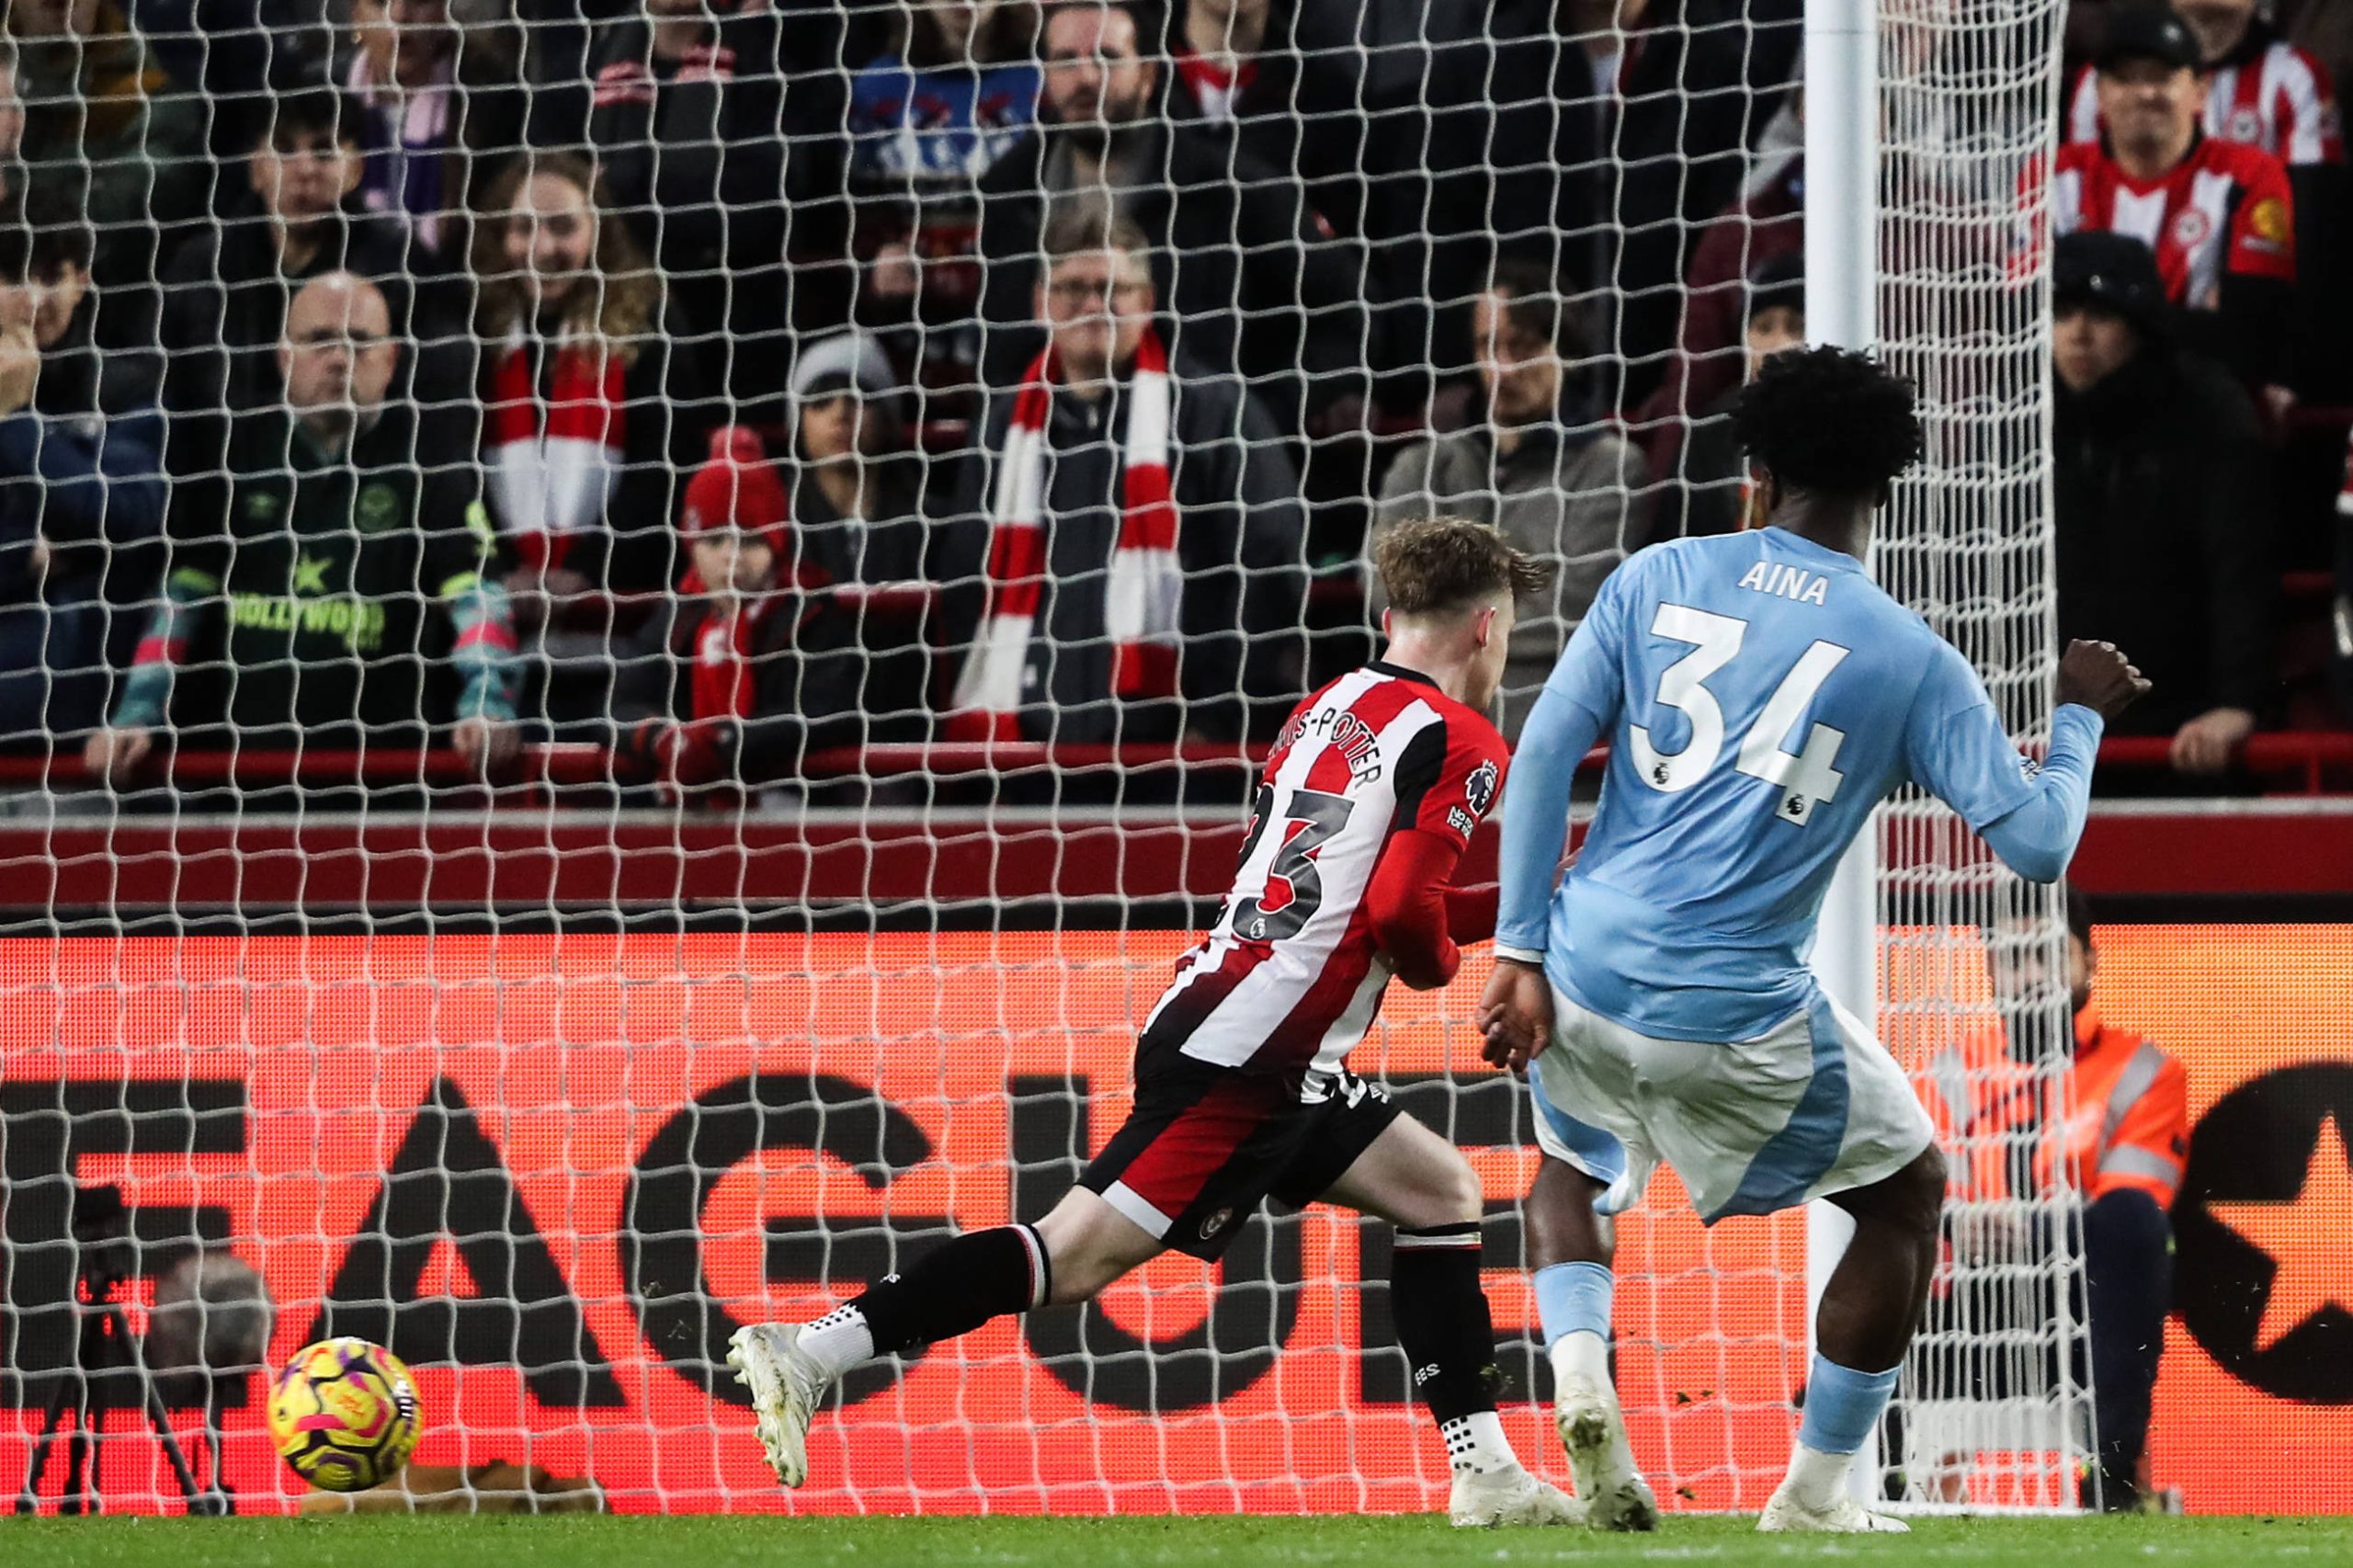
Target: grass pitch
[[1426, 1542]]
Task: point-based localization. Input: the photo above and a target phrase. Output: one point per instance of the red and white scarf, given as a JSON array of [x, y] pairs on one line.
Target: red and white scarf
[[1142, 594], [553, 462]]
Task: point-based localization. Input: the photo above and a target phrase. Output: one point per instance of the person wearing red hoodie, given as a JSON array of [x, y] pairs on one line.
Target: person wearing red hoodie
[[756, 657]]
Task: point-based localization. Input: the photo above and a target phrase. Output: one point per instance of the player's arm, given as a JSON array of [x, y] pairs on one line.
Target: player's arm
[[1411, 908], [1577, 704], [1959, 751]]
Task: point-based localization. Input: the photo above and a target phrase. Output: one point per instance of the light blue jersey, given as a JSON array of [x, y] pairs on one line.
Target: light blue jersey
[[1760, 694]]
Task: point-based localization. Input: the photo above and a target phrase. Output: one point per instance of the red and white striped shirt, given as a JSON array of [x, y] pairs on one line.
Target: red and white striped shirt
[[1290, 978], [2268, 94], [2224, 208]]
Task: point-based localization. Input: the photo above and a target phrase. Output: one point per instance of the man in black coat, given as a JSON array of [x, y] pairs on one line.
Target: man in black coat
[[1615, 129], [1252, 277], [1239, 535], [2163, 504]]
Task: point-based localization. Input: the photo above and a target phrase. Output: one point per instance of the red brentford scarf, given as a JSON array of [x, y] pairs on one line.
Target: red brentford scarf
[[1215, 87], [1142, 592], [553, 462]]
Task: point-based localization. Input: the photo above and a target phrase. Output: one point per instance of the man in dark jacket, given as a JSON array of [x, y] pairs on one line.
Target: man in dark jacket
[[327, 590], [1253, 278], [1614, 128], [81, 490], [2163, 504], [1063, 505]]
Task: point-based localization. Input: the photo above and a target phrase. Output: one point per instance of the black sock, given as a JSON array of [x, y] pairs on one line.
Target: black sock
[[1442, 1319], [954, 1288]]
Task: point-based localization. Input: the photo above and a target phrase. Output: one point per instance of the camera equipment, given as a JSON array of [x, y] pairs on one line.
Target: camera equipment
[[104, 1349]]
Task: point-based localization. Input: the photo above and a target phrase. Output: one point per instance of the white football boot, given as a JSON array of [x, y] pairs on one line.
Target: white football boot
[[1784, 1512], [1485, 1499], [1594, 1431], [787, 1387]]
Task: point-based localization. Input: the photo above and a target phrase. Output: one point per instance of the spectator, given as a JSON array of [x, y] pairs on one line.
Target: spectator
[[12, 125], [294, 613], [1124, 560], [2162, 504], [1280, 73], [105, 129], [2125, 1138], [2265, 91], [2261, 89], [1615, 129], [763, 658], [1540, 467], [1719, 301], [590, 407], [856, 516], [688, 103], [2217, 214], [226, 288], [928, 119], [81, 491], [445, 109], [1714, 493], [1232, 239]]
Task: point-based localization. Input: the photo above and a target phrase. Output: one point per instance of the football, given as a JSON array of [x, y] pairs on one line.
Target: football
[[344, 1414]]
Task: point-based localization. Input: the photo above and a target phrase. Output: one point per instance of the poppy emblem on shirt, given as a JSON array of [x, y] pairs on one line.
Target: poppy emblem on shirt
[[1479, 790], [2190, 228], [2268, 220], [2244, 125]]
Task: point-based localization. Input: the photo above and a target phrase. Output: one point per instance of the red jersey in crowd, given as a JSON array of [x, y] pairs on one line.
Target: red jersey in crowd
[[2268, 94], [2224, 209], [1378, 772]]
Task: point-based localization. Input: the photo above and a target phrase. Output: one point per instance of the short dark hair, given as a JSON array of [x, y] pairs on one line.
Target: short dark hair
[[1433, 565], [45, 242], [2076, 905], [312, 109], [1081, 226], [1539, 302], [1830, 421]]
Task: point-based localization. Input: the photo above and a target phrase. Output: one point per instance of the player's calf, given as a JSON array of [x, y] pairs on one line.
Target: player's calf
[[792, 1368], [1866, 1319]]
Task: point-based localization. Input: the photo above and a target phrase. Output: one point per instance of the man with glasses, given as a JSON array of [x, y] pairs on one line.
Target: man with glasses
[[1124, 560], [326, 591]]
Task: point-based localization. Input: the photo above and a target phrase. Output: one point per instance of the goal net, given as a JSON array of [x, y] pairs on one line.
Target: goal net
[[451, 872]]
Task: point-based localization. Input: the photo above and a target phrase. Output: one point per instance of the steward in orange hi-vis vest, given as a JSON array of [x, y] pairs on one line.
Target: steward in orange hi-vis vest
[[2129, 1122]]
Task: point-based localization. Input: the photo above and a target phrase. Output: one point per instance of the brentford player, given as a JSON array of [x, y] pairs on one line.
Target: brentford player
[[2218, 214], [2261, 89], [1241, 1088]]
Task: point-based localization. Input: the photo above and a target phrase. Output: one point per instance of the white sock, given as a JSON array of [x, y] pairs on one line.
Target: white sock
[[1818, 1480], [1475, 1444], [1581, 1354], [838, 1341]]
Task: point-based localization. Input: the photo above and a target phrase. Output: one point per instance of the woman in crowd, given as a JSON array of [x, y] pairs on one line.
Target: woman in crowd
[[589, 409], [857, 513]]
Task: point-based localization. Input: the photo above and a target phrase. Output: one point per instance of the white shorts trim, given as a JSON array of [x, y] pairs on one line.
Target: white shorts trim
[[1131, 1204]]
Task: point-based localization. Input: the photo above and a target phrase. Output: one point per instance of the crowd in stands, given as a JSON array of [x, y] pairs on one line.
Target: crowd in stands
[[729, 381]]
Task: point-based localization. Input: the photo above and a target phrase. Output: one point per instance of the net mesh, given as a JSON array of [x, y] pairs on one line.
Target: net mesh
[[760, 961]]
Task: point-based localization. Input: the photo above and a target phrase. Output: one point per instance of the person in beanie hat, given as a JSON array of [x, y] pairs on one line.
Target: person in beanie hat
[[761, 659], [1715, 494], [2162, 504]]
